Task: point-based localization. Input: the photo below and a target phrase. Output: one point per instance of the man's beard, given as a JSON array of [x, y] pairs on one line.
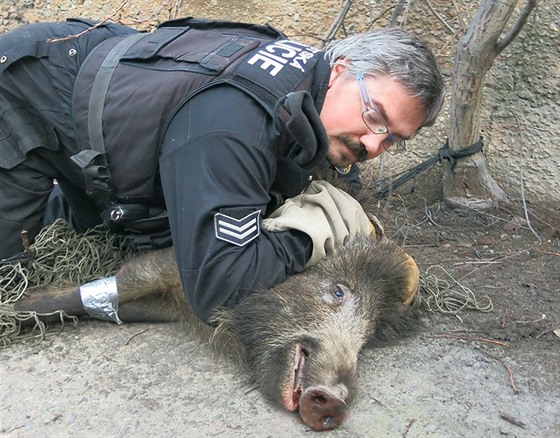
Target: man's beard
[[349, 153]]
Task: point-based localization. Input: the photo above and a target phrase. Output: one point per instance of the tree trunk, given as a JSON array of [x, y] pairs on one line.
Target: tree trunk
[[468, 183]]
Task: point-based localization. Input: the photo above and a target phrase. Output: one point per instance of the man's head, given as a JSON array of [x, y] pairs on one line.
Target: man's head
[[384, 86]]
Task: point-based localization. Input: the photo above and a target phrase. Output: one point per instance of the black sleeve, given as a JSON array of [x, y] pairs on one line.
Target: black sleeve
[[218, 160]]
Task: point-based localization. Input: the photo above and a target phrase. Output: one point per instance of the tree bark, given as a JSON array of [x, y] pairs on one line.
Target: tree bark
[[468, 183]]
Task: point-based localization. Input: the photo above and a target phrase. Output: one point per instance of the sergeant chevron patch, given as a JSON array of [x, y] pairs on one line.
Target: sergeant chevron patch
[[237, 231]]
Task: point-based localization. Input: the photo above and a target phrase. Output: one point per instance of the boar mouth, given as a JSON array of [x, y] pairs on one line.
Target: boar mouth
[[295, 384], [299, 364]]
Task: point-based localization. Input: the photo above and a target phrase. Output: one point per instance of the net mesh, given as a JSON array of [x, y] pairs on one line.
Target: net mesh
[[58, 257]]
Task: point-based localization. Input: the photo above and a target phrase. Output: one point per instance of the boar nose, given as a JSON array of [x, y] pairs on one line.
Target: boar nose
[[321, 410]]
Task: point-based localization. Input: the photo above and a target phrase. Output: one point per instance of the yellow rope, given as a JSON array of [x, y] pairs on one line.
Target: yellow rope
[[446, 295]]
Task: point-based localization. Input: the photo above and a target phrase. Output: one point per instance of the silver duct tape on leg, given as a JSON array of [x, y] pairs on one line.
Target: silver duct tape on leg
[[100, 299]]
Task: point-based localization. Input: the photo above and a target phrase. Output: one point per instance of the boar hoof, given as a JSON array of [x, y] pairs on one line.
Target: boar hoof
[[321, 410]]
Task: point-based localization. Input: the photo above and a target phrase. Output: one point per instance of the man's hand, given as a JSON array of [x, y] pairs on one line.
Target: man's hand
[[328, 215], [331, 218]]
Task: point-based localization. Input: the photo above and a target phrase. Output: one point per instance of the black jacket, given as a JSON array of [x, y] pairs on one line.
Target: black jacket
[[225, 157], [231, 147], [228, 155]]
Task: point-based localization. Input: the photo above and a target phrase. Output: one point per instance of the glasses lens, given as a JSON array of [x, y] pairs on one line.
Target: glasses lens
[[374, 122], [394, 145]]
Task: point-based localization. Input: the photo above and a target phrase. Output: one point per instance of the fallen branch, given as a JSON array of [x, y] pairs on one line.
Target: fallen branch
[[89, 29], [466, 338], [512, 420], [339, 19]]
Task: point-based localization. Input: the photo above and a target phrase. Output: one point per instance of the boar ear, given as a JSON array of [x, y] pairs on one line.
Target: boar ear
[[399, 317], [411, 284], [394, 323]]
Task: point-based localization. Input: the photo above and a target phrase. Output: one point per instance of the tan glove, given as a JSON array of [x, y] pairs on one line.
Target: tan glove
[[328, 215]]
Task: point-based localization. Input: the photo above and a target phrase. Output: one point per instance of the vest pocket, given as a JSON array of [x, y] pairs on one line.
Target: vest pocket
[[189, 50]]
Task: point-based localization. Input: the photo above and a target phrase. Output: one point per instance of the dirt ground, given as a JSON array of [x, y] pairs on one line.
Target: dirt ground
[[473, 375]]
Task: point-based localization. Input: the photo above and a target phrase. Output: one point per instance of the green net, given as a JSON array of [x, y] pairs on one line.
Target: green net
[[58, 257]]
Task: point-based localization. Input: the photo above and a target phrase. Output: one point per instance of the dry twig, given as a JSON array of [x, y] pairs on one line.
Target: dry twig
[[459, 17], [89, 29], [440, 18], [557, 254], [512, 420], [429, 215], [408, 426], [400, 9], [382, 14], [522, 185], [254, 388], [504, 316], [136, 334], [490, 263], [543, 317], [496, 218], [465, 338], [547, 331], [506, 366]]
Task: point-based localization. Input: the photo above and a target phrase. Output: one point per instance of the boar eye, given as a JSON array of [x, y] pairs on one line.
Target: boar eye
[[338, 293]]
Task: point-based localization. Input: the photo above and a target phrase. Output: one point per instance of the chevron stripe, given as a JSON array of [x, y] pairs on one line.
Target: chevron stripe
[[235, 228], [237, 231], [238, 235]]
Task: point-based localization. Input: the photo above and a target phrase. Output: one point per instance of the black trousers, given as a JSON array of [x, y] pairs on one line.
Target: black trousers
[[36, 127]]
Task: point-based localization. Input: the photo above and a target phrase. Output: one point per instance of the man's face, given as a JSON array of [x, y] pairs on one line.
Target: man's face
[[350, 140]]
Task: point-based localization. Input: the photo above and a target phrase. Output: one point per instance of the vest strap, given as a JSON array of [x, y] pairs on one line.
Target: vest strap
[[100, 87], [93, 162]]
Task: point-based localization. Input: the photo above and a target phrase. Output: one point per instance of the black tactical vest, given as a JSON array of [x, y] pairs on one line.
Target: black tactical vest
[[129, 87]]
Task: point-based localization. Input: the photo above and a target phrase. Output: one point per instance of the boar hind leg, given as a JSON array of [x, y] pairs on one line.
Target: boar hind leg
[[150, 309], [49, 301], [148, 289]]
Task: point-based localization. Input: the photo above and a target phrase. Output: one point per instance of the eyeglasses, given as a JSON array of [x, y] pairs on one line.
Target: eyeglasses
[[375, 121]]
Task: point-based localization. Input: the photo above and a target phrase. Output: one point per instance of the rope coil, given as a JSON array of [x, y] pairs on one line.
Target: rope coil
[[447, 295]]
